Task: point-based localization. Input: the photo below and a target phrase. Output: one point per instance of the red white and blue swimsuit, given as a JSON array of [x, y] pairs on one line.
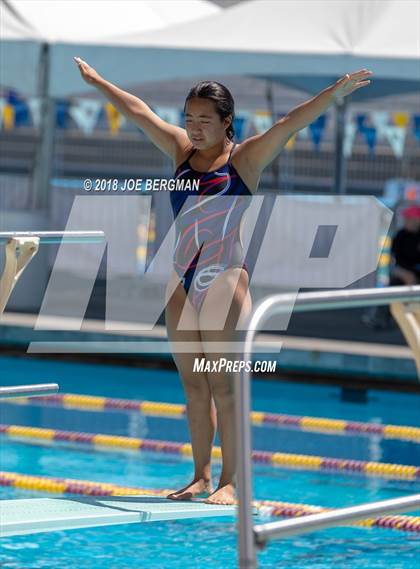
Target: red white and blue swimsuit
[[207, 224]]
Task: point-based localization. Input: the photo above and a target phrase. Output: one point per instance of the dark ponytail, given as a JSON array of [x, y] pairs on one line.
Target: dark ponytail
[[221, 97]]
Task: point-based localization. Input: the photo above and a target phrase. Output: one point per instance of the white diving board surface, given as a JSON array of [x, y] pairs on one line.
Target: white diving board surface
[[37, 515], [48, 237]]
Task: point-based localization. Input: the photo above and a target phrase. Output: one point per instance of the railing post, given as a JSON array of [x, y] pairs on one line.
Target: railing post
[[246, 547]]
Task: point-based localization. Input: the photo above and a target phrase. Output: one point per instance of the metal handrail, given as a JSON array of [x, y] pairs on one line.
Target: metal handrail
[[267, 307], [36, 390], [324, 520]]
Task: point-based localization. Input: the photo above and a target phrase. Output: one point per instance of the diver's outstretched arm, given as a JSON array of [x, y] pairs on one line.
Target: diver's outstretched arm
[[167, 137], [261, 149]]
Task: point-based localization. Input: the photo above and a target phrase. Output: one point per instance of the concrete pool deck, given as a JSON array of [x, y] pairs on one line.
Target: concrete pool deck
[[58, 335]]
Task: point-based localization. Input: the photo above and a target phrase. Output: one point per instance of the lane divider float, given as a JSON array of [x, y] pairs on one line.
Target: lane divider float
[[158, 409], [276, 459]]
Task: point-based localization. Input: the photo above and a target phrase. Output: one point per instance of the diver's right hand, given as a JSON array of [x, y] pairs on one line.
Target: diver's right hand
[[87, 72]]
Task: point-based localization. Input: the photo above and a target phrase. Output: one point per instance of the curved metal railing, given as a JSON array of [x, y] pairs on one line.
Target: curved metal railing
[[276, 304]]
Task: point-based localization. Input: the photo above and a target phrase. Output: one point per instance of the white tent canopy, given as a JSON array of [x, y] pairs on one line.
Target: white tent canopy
[[355, 27], [13, 26], [270, 39], [20, 50], [186, 38], [27, 24], [89, 21], [189, 38]]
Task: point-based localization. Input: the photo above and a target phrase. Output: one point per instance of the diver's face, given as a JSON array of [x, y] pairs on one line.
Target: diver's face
[[202, 123]]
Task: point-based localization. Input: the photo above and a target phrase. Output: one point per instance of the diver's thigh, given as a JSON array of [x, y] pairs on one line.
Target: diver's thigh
[[227, 304], [181, 316], [186, 343]]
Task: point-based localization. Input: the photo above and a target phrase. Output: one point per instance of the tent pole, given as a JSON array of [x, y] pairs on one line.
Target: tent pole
[[44, 152], [270, 106], [340, 163]]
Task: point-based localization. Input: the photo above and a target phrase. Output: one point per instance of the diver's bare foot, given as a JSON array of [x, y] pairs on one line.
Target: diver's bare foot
[[193, 490], [223, 495]]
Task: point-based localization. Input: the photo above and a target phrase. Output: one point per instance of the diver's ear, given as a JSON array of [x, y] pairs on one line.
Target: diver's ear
[[227, 121]]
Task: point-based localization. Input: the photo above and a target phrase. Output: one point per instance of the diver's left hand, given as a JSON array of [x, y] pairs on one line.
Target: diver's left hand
[[351, 82]]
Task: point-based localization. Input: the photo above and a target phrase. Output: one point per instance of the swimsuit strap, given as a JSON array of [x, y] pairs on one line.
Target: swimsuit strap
[[193, 151], [187, 160], [230, 153]]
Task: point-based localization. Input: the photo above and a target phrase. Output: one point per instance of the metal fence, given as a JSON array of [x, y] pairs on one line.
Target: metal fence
[[130, 154]]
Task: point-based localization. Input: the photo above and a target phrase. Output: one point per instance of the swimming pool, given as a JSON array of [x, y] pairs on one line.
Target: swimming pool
[[201, 543]]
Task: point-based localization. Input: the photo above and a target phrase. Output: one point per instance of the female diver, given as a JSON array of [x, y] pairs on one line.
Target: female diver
[[201, 292]]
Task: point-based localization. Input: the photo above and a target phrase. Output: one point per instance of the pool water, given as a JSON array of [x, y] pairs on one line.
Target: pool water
[[195, 543], [207, 543]]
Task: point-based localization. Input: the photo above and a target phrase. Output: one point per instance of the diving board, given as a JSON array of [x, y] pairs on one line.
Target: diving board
[[22, 246], [37, 515], [48, 237]]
